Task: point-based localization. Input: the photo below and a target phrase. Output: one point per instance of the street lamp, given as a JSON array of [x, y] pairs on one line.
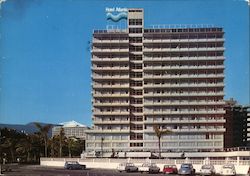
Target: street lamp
[[102, 139]]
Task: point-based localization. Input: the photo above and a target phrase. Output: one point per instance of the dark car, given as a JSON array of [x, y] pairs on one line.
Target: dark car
[[130, 167], [248, 173], [170, 169], [74, 165], [154, 168], [186, 169]]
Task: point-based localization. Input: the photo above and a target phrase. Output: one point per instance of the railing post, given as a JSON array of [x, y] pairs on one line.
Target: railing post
[[238, 160]]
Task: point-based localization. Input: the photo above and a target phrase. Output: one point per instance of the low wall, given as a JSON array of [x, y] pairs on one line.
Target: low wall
[[241, 166]]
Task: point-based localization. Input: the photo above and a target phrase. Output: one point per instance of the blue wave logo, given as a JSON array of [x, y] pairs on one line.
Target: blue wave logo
[[118, 17]]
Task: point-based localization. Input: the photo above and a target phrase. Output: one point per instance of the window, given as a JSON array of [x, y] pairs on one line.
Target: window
[[135, 22], [135, 30]]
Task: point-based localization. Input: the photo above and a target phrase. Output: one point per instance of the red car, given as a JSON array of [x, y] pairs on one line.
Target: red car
[[170, 169]]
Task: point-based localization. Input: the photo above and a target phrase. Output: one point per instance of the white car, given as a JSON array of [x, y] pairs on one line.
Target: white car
[[207, 169], [149, 167], [121, 167], [228, 169]]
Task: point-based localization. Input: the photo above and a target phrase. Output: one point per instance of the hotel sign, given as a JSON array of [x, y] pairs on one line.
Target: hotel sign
[[116, 13]]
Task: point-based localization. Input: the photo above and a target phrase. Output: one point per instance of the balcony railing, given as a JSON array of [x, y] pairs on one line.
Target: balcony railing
[[95, 40], [111, 113], [174, 103], [107, 59], [147, 58], [106, 86], [151, 94], [110, 77], [167, 76], [184, 121], [147, 112], [183, 67], [147, 40], [183, 85], [110, 50], [182, 49], [112, 104], [110, 95]]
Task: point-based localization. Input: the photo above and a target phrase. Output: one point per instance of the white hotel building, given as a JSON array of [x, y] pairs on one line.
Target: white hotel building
[[168, 76]]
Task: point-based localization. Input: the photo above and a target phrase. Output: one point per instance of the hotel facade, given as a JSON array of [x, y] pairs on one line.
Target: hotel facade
[[171, 77]]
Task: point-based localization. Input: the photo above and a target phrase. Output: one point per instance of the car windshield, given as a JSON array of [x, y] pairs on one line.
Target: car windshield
[[228, 167], [130, 164], [72, 162], [185, 166], [206, 167], [169, 166]]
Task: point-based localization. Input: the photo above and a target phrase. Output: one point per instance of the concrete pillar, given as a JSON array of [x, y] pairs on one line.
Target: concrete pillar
[[238, 160]]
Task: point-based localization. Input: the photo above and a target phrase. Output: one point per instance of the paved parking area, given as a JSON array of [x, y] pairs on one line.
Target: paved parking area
[[36, 170]]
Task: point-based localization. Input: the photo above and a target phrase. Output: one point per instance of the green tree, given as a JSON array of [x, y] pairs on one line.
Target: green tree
[[61, 141], [44, 130], [71, 142], [9, 140], [159, 133]]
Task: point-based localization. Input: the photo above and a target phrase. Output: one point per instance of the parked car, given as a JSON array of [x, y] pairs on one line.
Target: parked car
[[130, 167], [149, 167], [207, 169], [72, 165], [186, 169], [170, 169], [121, 167], [228, 169]]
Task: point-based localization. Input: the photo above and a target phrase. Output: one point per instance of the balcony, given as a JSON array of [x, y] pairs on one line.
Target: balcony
[[109, 50], [184, 67], [106, 95], [106, 86], [184, 121], [111, 122], [112, 104], [153, 59], [111, 113], [96, 40], [135, 35], [146, 112], [96, 77], [182, 49], [183, 85], [110, 131], [110, 68], [183, 103], [183, 76], [192, 130], [107, 59], [147, 40], [151, 94]]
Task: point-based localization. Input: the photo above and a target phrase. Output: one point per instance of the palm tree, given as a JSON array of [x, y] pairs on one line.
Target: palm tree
[[159, 133], [71, 141], [52, 144], [61, 141], [10, 139], [24, 147], [44, 130]]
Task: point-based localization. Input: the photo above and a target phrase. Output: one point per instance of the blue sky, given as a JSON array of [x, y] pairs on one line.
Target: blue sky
[[45, 58]]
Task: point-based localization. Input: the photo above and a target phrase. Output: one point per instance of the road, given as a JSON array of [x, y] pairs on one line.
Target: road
[[36, 170]]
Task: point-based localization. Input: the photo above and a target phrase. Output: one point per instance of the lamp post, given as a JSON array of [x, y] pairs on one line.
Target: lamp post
[[102, 139]]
